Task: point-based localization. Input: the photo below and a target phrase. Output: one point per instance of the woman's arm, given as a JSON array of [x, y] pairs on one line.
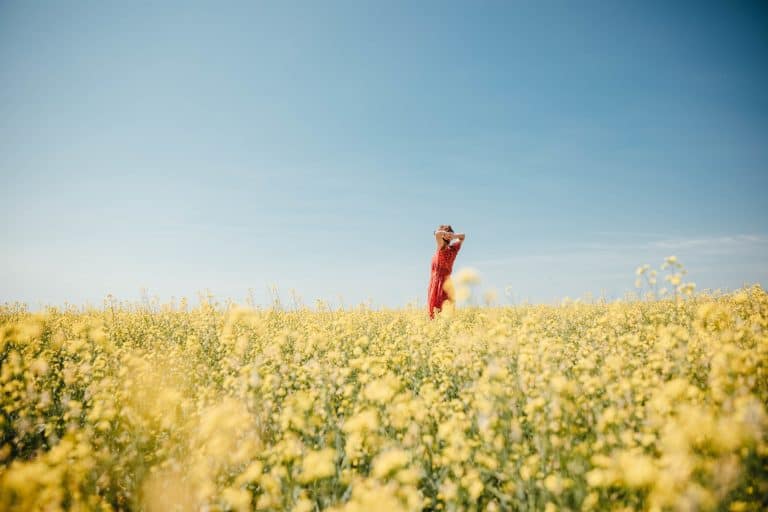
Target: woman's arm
[[439, 236], [458, 236]]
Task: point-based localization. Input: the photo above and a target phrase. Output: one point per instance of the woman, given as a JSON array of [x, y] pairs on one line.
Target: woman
[[442, 265]]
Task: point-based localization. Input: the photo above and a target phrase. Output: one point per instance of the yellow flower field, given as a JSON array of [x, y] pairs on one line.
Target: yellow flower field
[[633, 405]]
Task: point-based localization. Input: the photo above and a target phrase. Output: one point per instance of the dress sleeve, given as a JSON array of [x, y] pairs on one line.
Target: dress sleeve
[[455, 247]]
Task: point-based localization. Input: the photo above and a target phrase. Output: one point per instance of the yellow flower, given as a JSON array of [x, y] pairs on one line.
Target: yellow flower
[[382, 390], [237, 499], [303, 505], [462, 293], [553, 484], [637, 470], [386, 462], [364, 421], [475, 488], [318, 464], [467, 276]]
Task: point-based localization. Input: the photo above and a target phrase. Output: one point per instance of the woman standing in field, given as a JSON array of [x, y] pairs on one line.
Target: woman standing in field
[[448, 245]]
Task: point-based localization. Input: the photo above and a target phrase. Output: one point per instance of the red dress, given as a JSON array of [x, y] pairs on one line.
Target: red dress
[[442, 266]]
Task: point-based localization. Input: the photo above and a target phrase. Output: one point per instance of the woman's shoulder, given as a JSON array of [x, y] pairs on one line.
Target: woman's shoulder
[[448, 250]]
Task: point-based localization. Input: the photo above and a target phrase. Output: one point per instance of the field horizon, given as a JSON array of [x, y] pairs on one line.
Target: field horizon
[[652, 404]]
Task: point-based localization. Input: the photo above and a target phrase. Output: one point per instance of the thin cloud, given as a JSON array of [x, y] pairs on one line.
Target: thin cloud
[[721, 241], [636, 234], [604, 250]]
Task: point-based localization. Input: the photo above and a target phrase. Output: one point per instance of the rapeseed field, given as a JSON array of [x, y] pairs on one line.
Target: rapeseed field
[[654, 403]]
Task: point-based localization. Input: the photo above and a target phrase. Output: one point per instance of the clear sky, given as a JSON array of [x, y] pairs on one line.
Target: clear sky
[[315, 146]]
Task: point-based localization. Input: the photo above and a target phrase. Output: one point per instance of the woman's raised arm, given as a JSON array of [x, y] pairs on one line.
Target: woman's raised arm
[[439, 235]]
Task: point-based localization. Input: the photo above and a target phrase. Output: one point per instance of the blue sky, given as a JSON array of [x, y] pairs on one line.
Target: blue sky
[[233, 146]]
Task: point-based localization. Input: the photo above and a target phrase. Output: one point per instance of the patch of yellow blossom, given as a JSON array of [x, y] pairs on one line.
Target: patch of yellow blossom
[[651, 404]]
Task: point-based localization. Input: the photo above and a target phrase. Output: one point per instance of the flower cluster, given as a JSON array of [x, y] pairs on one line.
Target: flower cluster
[[633, 405]]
